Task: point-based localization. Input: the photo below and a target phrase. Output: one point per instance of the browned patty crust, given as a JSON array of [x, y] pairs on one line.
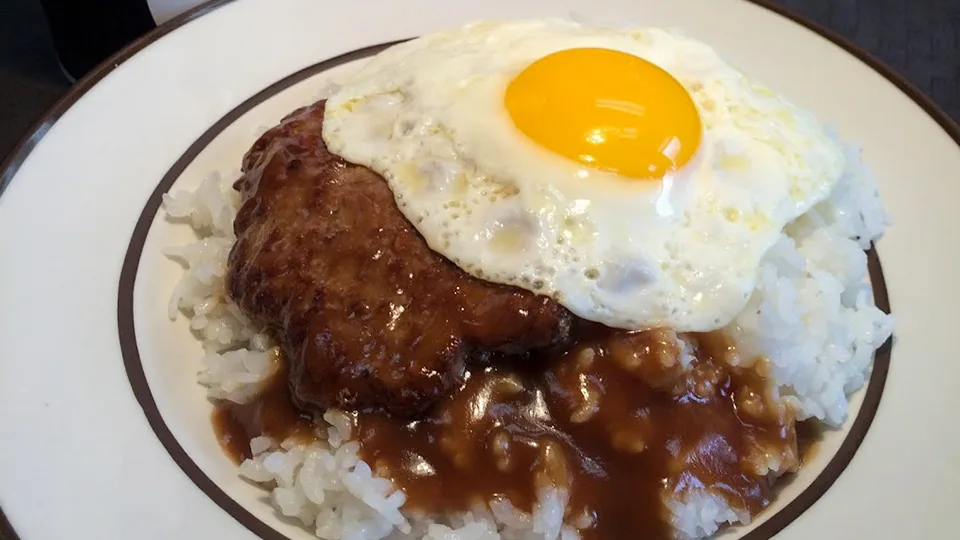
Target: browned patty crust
[[368, 316]]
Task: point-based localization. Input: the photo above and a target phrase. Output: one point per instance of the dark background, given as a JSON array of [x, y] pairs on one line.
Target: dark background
[[918, 38]]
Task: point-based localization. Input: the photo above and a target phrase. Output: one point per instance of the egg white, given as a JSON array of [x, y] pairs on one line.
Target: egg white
[[684, 252]]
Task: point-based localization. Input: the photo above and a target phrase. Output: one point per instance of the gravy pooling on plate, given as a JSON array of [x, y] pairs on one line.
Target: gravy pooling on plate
[[613, 421]]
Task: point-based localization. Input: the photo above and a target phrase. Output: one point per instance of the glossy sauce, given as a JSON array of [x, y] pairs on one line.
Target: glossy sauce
[[809, 437], [270, 413], [616, 422]]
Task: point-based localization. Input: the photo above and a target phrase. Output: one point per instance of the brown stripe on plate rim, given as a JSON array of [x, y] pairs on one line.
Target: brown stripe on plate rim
[[35, 134]]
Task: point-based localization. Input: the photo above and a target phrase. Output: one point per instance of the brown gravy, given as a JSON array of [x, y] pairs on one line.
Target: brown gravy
[[809, 437], [615, 421], [270, 414]]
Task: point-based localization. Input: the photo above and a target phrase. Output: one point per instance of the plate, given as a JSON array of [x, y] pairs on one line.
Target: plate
[[105, 432]]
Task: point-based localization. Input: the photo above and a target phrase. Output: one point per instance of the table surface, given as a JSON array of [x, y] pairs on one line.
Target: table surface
[[918, 38]]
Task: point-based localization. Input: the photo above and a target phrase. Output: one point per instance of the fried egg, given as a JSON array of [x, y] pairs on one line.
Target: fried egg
[[631, 174]]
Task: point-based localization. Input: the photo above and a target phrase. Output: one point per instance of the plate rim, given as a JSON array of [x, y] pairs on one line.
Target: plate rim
[[25, 146], [11, 164], [35, 133]]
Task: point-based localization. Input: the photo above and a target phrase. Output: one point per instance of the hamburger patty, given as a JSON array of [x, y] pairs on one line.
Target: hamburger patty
[[367, 315]]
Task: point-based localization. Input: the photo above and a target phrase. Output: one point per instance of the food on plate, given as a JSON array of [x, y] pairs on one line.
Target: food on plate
[[367, 314], [633, 176], [533, 280]]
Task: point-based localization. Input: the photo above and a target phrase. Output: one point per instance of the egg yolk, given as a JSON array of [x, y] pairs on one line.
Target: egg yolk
[[606, 109]]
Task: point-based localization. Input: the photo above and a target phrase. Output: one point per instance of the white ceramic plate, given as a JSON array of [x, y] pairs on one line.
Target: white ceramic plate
[[104, 432]]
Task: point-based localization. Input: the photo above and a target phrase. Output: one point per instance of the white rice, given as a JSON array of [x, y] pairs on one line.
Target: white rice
[[329, 489], [811, 315]]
